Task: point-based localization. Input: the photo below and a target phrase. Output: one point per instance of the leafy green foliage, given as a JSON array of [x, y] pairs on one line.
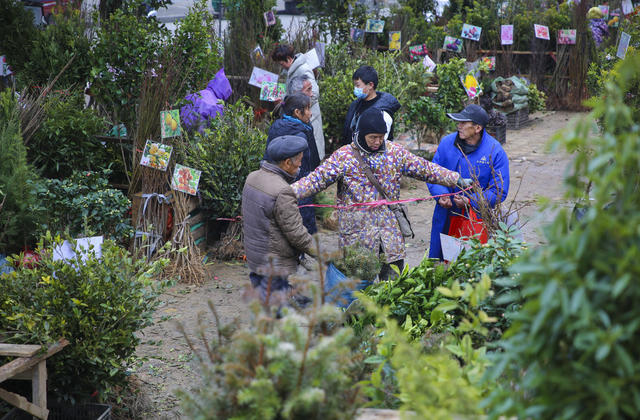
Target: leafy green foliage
[[571, 351], [226, 153], [16, 222], [17, 33], [126, 48], [360, 263], [97, 304], [66, 139], [53, 47], [297, 367], [195, 46], [414, 299], [82, 205], [426, 114], [451, 94], [442, 378], [536, 99], [333, 16]]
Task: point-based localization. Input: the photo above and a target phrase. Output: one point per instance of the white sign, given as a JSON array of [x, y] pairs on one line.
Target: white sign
[[428, 63], [259, 76], [452, 247], [623, 45], [84, 247]]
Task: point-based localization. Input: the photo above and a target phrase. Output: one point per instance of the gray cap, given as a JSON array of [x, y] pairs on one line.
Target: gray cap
[[284, 147], [473, 113]]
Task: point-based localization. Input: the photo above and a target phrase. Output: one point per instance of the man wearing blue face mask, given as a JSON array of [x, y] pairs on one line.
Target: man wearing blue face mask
[[365, 82]]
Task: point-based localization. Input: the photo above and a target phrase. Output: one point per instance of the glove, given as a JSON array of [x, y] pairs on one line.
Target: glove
[[464, 183]]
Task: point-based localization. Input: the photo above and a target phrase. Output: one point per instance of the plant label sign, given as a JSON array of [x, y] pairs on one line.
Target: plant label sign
[[320, 48], [259, 76], [185, 179], [357, 34], [470, 84], [417, 51], [269, 18], [627, 7], [542, 31], [452, 247], [506, 34], [452, 44], [170, 123], [471, 32], [623, 45], [428, 63], [4, 66], [156, 155], [615, 18], [567, 36], [272, 91], [490, 61], [604, 8], [375, 26], [395, 40], [83, 247]]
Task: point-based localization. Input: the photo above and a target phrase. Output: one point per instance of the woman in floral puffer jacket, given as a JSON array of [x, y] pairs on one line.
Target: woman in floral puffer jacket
[[373, 227]]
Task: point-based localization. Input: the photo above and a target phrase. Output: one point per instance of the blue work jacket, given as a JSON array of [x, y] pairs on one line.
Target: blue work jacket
[[489, 154]]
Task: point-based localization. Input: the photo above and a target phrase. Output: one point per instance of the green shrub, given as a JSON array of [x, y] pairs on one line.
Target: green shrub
[[425, 115], [358, 262], [297, 367], [572, 350], [451, 94], [52, 49], [412, 298], [226, 153], [83, 205], [16, 197], [536, 99], [17, 33], [66, 139], [126, 48], [97, 304]]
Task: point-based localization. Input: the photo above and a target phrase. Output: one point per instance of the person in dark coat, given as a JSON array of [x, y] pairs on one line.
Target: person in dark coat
[[296, 115], [473, 153], [273, 234], [365, 82]]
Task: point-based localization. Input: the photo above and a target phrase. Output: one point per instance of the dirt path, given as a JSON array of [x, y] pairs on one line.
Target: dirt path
[[166, 363]]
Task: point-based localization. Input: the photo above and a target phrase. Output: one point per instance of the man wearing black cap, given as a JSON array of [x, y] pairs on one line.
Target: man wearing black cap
[[473, 153], [274, 236], [374, 227]]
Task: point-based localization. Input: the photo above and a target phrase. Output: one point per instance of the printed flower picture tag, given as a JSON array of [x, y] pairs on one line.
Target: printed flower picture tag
[[491, 62], [452, 44], [185, 179], [623, 44], [417, 51], [269, 18], [471, 32], [170, 123], [257, 55], [567, 36], [542, 32], [506, 34], [395, 40], [272, 91], [357, 34], [375, 26], [259, 76], [156, 155]]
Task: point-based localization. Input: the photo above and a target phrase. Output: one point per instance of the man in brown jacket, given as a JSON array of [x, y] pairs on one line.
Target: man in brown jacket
[[274, 236]]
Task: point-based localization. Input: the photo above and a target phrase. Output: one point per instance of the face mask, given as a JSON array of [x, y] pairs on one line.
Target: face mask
[[359, 93]]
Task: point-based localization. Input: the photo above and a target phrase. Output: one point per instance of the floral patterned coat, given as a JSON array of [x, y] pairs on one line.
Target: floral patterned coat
[[373, 227]]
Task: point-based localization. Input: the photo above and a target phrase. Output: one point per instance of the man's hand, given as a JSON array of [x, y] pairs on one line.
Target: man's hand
[[309, 263], [461, 200], [445, 202]]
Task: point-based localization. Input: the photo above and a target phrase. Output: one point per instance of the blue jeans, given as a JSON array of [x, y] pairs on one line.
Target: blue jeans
[[279, 285]]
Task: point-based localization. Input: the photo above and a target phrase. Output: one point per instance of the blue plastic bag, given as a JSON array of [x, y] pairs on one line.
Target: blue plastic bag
[[338, 293]]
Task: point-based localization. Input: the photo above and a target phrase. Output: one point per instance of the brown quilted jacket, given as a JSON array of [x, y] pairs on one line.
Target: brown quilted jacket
[[271, 222]]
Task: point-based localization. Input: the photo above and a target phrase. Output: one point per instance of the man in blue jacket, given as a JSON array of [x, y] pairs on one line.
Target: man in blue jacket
[[475, 154], [365, 82]]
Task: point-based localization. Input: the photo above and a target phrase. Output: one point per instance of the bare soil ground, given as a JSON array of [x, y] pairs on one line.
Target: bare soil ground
[[166, 363]]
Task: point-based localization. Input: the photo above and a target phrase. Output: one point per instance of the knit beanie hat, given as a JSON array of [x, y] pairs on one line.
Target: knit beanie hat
[[371, 121]]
